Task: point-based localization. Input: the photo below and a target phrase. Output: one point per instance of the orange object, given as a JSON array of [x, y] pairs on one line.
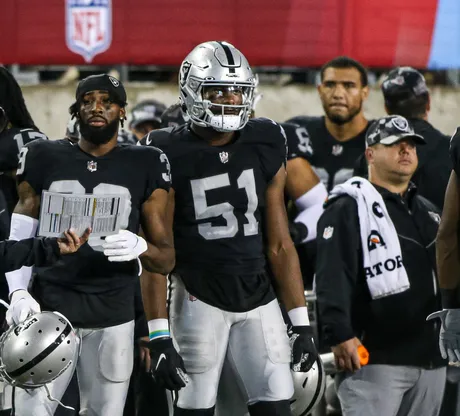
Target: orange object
[[363, 355]]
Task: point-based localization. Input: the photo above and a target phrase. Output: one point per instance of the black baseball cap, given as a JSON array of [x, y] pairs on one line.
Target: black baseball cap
[[103, 82], [391, 129], [402, 83], [148, 110]]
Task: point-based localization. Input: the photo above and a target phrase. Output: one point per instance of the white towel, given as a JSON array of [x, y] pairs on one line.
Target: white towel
[[385, 272]]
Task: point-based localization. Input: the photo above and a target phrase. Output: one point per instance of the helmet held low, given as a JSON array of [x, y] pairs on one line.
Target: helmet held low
[[308, 389], [38, 350], [212, 69]]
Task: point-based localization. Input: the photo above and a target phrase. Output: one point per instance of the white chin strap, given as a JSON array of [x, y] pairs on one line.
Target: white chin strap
[[225, 122]]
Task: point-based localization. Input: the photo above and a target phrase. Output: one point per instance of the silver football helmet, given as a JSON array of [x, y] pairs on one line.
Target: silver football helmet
[[308, 389], [38, 350], [216, 64]]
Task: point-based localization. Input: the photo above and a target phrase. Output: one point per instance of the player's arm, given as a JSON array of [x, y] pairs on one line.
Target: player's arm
[[166, 364], [285, 266], [38, 251], [29, 202], [447, 245], [157, 227], [154, 285], [337, 270], [307, 191], [282, 254], [23, 225]]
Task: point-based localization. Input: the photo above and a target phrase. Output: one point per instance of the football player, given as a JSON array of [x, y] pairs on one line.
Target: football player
[[448, 260], [18, 129], [229, 216], [303, 185], [300, 180], [338, 137], [94, 288], [145, 117]]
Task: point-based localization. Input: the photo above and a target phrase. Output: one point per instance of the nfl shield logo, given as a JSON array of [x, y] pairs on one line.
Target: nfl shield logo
[[88, 27], [328, 231], [92, 166]]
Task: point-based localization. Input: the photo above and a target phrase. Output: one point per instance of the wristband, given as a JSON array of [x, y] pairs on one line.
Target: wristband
[[158, 328], [299, 316]]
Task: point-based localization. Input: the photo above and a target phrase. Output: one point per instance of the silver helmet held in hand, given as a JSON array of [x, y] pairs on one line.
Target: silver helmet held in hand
[[216, 64], [308, 389], [37, 350]]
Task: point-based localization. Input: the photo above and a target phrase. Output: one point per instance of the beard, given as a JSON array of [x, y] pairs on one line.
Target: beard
[[98, 135], [341, 119]]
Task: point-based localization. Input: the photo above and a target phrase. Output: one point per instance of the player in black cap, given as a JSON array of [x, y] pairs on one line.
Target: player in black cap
[[95, 287], [145, 117], [406, 94]]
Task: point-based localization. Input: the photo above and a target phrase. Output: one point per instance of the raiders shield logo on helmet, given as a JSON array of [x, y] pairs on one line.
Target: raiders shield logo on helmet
[[184, 71]]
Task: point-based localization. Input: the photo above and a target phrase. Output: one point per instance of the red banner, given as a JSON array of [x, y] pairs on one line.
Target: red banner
[[288, 33]]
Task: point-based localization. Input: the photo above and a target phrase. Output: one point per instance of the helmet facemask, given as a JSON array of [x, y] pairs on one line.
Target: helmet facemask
[[206, 112], [210, 66]]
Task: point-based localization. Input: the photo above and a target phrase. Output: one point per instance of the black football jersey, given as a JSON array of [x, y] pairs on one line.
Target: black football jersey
[[219, 209], [11, 143], [298, 141], [332, 160], [87, 276]]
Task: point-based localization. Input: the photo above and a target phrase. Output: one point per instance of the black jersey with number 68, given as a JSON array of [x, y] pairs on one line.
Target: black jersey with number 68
[[298, 141], [332, 160], [219, 205]]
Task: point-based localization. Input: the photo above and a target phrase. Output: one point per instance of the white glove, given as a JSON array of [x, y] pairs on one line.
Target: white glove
[[22, 304], [449, 335], [124, 246]]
